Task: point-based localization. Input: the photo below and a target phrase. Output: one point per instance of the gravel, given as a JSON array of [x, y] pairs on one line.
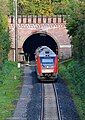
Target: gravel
[[67, 107], [29, 103], [34, 107]]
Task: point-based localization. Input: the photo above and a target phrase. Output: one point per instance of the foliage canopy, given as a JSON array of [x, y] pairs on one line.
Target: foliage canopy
[[76, 27], [4, 34], [39, 7]]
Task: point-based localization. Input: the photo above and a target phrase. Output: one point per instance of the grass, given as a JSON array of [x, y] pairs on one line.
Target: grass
[[73, 73], [9, 82]]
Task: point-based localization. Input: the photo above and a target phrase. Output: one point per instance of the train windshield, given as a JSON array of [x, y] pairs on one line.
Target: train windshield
[[47, 60]]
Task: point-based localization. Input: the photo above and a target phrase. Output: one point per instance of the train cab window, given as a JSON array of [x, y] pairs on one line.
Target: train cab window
[[47, 60], [46, 52]]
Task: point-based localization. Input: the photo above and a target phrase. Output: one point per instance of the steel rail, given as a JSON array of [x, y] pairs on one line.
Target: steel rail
[[42, 107], [57, 102], [53, 98]]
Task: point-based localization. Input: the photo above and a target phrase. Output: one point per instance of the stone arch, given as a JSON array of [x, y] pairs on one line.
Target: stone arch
[[35, 36], [36, 32]]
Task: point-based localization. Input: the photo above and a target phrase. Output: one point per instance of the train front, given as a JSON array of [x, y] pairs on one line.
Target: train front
[[47, 65]]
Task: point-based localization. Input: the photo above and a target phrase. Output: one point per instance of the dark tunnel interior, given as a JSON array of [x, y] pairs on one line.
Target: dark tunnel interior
[[37, 40]]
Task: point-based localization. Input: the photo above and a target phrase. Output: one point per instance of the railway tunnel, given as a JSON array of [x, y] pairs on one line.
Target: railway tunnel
[[36, 40]]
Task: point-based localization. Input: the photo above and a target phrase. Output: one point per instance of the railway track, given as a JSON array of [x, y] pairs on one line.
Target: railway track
[[50, 106]]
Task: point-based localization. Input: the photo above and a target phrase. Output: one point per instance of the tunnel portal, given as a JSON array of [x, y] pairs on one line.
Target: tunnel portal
[[36, 40]]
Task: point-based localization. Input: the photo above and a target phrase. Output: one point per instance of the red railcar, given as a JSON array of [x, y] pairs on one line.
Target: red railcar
[[46, 63]]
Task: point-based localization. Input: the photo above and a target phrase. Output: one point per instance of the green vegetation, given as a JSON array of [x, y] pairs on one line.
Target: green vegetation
[[9, 84], [72, 71], [73, 74], [4, 6], [11, 6], [9, 73], [4, 34], [76, 27], [40, 7]]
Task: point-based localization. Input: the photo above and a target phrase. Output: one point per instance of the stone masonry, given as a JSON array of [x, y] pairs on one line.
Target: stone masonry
[[54, 26]]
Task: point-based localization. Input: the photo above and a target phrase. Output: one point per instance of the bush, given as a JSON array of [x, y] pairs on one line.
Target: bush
[[73, 74], [9, 82], [4, 39]]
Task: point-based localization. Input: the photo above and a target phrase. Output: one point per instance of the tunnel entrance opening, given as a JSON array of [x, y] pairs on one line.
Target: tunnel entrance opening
[[36, 40]]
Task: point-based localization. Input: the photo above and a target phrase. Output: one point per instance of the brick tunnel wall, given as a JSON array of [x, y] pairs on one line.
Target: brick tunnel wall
[[54, 26]]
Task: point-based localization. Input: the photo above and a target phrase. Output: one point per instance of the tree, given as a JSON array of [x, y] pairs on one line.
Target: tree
[[76, 27], [11, 6], [4, 6], [4, 34], [38, 7]]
